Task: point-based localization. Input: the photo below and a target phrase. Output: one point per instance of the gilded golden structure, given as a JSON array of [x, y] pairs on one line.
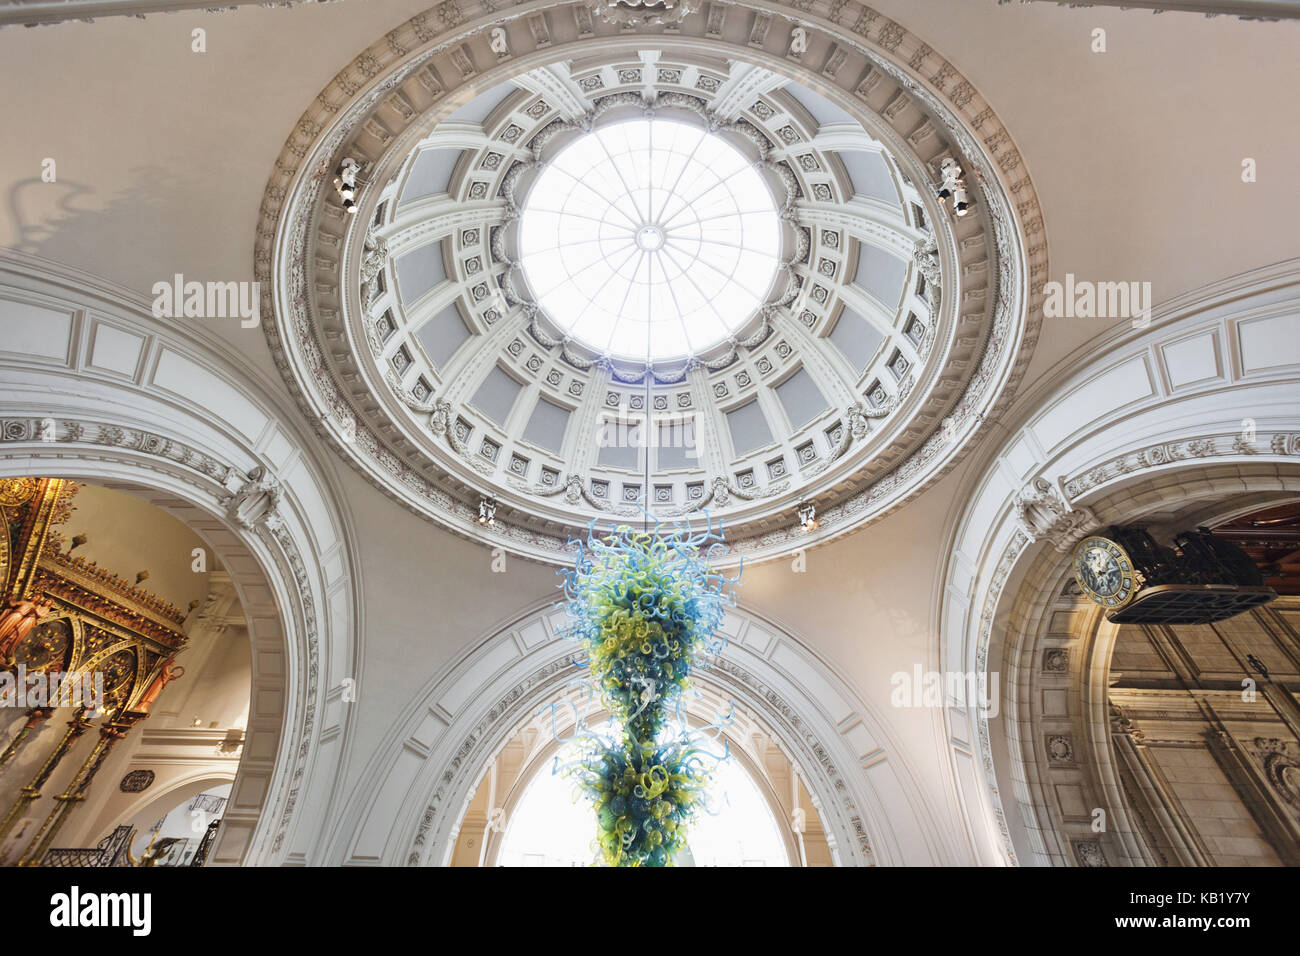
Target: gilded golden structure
[[62, 617]]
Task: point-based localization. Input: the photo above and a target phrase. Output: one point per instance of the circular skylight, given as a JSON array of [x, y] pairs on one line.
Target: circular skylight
[[649, 239]]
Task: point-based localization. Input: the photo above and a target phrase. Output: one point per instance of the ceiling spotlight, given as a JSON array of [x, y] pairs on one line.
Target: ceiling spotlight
[[487, 512], [953, 187], [345, 183], [808, 516], [950, 170]]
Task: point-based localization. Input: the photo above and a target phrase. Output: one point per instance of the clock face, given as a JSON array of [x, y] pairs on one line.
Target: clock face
[[1104, 572]]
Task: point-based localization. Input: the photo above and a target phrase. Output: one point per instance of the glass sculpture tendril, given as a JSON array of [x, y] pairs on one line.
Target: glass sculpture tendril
[[645, 608]]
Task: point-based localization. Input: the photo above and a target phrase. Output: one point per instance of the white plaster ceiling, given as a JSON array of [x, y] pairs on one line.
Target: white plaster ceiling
[[164, 155], [1136, 152]]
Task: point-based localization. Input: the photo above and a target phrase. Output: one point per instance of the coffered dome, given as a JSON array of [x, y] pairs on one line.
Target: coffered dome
[[659, 275]]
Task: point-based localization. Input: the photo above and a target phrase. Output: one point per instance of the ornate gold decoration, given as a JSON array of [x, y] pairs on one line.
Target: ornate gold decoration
[[30, 528], [29, 794], [167, 673], [110, 732], [59, 612], [67, 576], [17, 621], [47, 648], [17, 491]]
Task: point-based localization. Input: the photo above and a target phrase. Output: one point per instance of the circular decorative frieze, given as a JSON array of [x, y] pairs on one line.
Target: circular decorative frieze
[[423, 338], [48, 647]]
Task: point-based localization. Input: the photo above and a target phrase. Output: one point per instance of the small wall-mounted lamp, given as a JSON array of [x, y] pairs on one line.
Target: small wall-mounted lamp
[[346, 183]]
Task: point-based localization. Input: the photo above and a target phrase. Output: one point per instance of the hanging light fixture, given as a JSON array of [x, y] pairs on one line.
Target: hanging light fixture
[[808, 516], [487, 512], [645, 607]]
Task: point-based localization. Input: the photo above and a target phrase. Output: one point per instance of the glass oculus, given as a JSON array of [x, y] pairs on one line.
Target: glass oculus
[[649, 239]]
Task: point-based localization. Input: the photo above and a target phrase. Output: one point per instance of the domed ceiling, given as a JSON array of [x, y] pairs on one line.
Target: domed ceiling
[[645, 274]]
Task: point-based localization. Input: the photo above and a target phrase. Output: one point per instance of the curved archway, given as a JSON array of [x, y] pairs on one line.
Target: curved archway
[[1066, 683], [150, 809], [533, 776], [135, 417], [421, 780], [531, 751], [1183, 391]]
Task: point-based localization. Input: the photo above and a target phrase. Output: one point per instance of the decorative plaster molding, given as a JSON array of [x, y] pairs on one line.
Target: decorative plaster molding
[[255, 502], [926, 256], [394, 817], [952, 106], [1269, 10], [251, 507], [507, 713], [1088, 853], [1043, 512], [1164, 453], [35, 13]]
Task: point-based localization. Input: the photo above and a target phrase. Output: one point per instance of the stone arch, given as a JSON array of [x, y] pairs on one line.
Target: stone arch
[[537, 766], [130, 417], [1146, 417], [178, 791], [423, 776], [1049, 591]]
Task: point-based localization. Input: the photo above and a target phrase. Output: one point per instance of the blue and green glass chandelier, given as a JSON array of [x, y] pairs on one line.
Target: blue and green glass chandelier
[[645, 607]]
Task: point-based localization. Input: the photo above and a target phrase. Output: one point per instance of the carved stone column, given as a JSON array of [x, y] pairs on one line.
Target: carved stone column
[[109, 734], [1155, 796], [35, 717], [32, 792]]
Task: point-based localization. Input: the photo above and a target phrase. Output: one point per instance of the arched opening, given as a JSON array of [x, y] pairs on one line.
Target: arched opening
[[1194, 725], [430, 779], [141, 628], [177, 829], [1159, 744], [551, 825], [527, 811], [282, 544], [1188, 454]]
